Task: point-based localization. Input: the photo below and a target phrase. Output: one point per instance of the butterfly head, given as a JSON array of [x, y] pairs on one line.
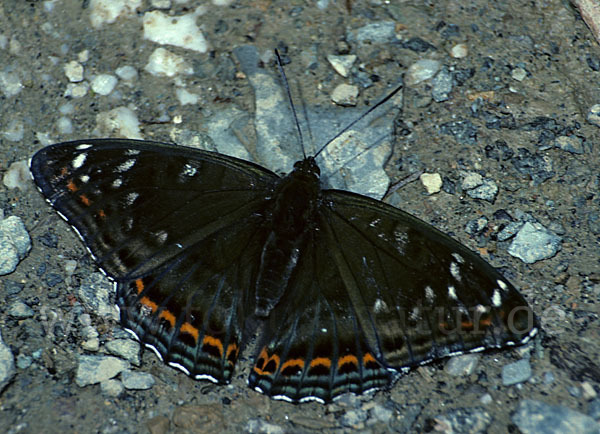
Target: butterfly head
[[308, 167]]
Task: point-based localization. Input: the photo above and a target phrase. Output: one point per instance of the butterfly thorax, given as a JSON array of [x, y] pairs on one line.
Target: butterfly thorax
[[292, 217]]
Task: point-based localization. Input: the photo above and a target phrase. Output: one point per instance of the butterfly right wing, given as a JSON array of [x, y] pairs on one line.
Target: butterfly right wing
[[178, 229], [376, 292]]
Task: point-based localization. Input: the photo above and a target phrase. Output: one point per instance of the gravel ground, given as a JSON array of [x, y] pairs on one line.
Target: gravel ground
[[504, 114]]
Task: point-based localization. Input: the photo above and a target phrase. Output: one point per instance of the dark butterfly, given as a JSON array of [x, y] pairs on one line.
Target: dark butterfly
[[354, 291]]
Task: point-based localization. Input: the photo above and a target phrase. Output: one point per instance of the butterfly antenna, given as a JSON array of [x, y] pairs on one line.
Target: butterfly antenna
[[289, 95], [305, 116], [361, 117]]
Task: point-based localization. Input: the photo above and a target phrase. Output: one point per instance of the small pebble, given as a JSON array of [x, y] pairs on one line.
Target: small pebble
[[74, 71], [167, 64], [432, 182], [180, 31], [593, 115], [345, 95], [24, 361], [459, 51], [462, 365], [17, 176], [137, 380], [518, 74], [572, 144], [103, 84], [126, 72], [7, 364], [516, 372], [342, 64], [19, 310], [422, 70], [96, 369], [534, 243]]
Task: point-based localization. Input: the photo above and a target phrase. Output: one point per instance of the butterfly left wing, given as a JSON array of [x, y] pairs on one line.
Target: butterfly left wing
[[177, 229], [380, 292]]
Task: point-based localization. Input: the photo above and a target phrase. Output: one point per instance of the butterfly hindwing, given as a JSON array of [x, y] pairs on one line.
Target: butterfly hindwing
[[175, 228], [315, 348]]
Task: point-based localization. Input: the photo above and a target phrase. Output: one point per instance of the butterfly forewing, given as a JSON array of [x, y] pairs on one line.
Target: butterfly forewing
[[425, 295], [179, 231]]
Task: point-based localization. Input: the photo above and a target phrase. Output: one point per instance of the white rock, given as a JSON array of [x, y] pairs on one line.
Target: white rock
[[126, 72], [64, 125], [77, 90], [422, 70], [342, 64], [180, 31], [345, 95], [459, 51], [17, 175], [186, 97], [74, 71], [104, 84], [518, 74], [432, 182], [14, 131], [107, 11], [121, 121], [164, 63], [10, 83]]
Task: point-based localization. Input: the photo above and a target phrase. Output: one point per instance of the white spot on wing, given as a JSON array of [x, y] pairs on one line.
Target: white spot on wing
[[496, 298], [452, 292], [117, 183], [132, 152], [503, 286], [130, 198], [380, 306], [83, 146], [124, 167], [455, 271], [161, 236], [79, 160], [458, 258], [189, 170], [429, 295], [415, 313], [84, 178]]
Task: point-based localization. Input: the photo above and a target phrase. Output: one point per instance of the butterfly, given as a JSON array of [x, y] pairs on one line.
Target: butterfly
[[352, 292]]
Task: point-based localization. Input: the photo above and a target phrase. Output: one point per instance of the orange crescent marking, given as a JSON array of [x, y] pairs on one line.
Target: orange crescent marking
[[139, 285], [186, 327], [367, 358], [293, 362], [267, 358], [232, 348], [347, 359], [147, 302], [209, 340], [101, 214], [167, 315], [71, 186], [321, 361], [486, 322], [86, 201]]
